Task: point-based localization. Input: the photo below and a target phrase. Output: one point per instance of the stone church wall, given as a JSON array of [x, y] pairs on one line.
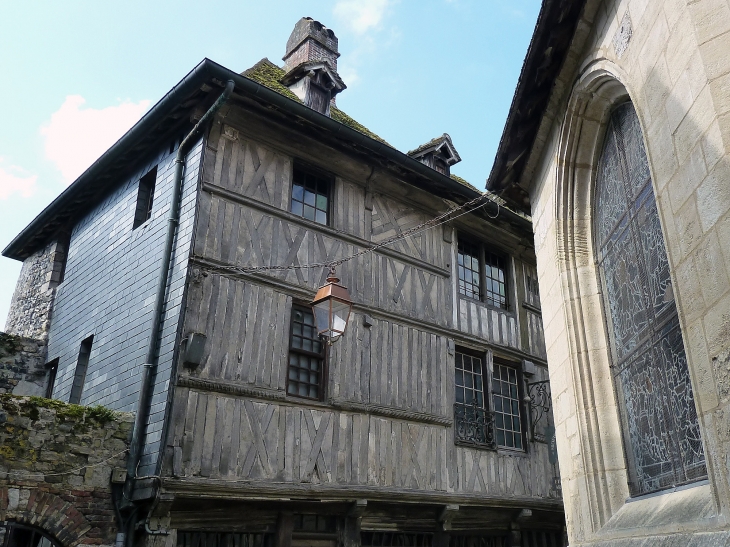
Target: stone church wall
[[57, 462], [670, 59]]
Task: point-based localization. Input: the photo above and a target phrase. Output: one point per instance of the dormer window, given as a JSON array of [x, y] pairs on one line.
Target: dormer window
[[439, 154], [316, 83]]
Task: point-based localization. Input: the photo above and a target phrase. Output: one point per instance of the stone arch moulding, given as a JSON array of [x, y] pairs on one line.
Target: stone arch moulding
[[602, 470], [56, 517], [602, 473]]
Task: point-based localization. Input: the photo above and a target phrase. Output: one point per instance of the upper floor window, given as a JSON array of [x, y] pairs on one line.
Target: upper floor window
[[82, 365], [532, 289], [305, 376], [660, 426], [311, 196], [472, 422], [52, 368], [145, 195], [506, 400], [482, 274]]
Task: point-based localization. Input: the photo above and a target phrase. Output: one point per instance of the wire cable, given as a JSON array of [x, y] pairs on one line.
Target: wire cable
[[420, 228]]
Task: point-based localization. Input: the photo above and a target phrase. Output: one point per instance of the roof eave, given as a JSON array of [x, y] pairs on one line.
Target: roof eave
[[205, 72], [549, 47]]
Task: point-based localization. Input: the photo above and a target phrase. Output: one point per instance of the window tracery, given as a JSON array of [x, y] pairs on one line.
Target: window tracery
[[661, 430]]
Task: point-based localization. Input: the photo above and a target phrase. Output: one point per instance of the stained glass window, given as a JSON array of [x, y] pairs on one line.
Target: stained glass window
[[661, 431]]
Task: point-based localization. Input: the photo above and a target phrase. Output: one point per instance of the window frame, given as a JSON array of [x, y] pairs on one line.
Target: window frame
[[498, 361], [484, 250], [144, 204], [81, 371], [486, 375], [322, 356], [52, 372], [322, 176], [659, 327]]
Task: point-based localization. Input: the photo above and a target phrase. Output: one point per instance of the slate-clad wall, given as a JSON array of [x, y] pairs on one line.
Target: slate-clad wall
[[109, 291]]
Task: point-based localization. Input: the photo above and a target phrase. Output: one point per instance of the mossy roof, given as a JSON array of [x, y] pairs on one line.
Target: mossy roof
[[268, 74]]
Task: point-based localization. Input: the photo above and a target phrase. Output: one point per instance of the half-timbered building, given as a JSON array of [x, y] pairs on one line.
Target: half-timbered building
[[426, 424]]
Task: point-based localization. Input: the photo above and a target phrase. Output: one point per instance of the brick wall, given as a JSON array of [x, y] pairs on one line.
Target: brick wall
[[56, 462], [22, 365]]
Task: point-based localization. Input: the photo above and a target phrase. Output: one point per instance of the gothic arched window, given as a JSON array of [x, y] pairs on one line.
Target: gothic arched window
[[661, 432]]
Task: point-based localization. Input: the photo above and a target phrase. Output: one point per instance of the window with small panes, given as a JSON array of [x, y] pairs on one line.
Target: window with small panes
[[311, 195], [506, 402], [482, 274], [305, 375]]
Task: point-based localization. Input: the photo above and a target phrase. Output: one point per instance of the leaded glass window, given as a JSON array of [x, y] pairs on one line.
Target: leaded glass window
[[496, 282], [482, 274], [310, 196], [472, 419], [469, 270], [306, 356], [505, 394], [661, 431]]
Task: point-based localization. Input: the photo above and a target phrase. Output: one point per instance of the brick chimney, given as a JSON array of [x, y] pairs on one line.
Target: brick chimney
[[311, 41], [311, 65]]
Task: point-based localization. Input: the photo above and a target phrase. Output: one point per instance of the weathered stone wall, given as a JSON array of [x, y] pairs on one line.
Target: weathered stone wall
[[56, 461], [670, 59], [32, 302], [22, 365]]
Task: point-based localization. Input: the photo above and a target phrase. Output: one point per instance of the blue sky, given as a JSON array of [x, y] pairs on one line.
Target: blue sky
[[76, 75]]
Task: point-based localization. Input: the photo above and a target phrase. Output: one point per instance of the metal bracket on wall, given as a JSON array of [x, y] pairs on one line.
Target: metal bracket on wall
[[540, 405]]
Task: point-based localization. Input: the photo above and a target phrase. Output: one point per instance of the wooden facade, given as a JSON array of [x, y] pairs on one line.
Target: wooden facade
[[427, 424], [378, 451]]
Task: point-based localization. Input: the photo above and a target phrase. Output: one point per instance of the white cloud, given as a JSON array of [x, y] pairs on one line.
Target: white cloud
[[361, 15], [14, 179], [76, 136]]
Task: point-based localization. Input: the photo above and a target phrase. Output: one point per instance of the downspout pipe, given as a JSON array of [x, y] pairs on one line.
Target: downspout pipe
[[150, 367]]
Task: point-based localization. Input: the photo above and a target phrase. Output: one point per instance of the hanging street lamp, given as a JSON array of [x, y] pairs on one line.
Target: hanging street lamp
[[331, 307]]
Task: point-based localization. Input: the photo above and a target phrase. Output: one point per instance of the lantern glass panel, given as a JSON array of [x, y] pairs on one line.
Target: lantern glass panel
[[322, 316], [340, 314]]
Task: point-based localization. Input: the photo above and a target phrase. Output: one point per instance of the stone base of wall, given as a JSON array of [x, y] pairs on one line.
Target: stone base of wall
[[22, 365], [709, 539], [56, 464]]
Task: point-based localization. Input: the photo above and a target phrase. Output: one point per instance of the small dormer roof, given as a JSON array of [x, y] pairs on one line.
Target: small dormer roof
[[302, 69], [440, 145]]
